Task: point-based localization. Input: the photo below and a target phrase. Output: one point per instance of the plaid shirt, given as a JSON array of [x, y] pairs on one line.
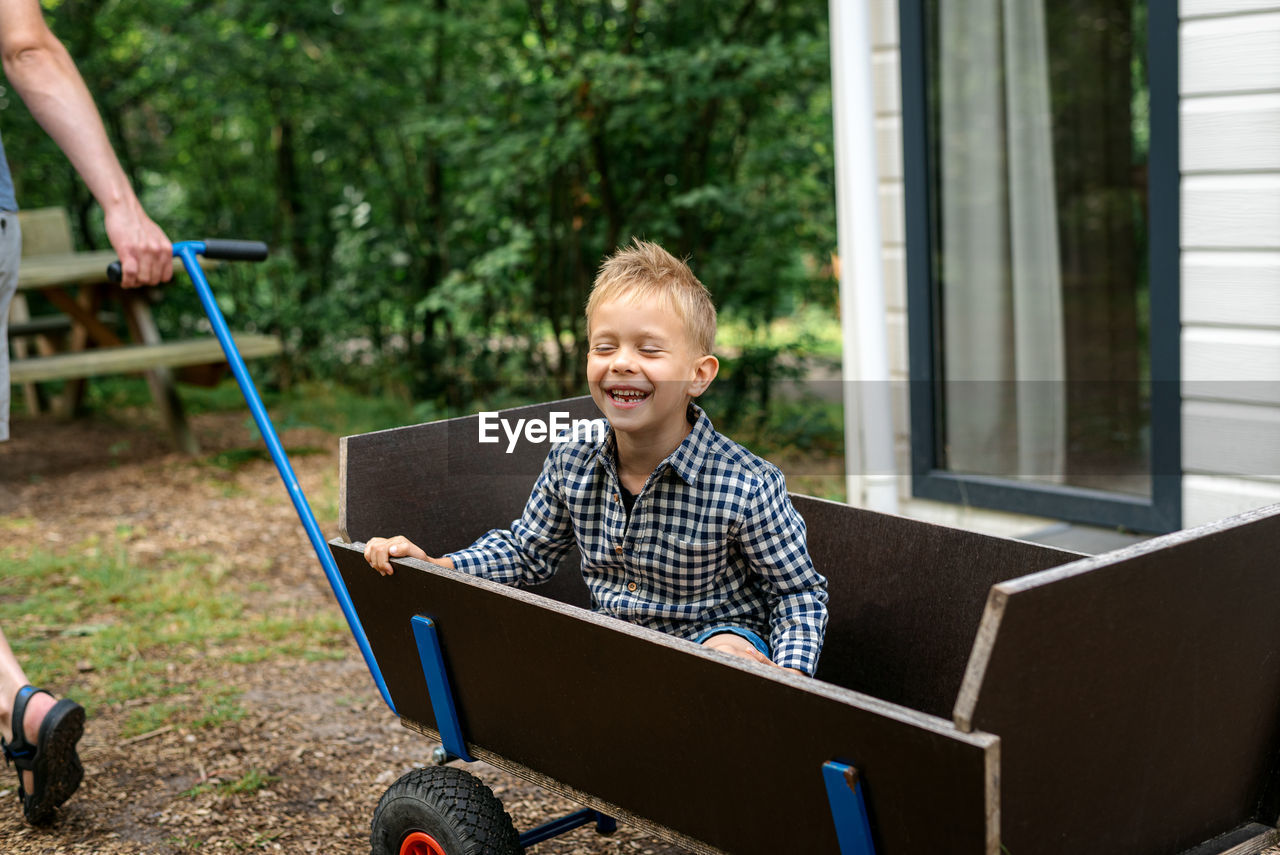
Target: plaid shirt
[[711, 540]]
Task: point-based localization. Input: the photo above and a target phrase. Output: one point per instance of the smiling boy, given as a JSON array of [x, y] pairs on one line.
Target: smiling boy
[[680, 529]]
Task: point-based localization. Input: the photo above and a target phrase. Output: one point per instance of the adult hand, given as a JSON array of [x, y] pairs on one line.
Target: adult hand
[[146, 255]]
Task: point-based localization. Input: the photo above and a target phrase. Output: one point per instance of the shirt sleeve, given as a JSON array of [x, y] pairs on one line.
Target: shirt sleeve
[[530, 551], [773, 541]]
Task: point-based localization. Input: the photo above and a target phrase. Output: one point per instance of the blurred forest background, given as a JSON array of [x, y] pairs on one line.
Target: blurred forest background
[[439, 180]]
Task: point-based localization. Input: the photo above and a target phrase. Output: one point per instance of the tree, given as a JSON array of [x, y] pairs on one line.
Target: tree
[[439, 181]]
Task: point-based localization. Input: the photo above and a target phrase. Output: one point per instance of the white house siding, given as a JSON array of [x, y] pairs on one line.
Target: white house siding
[[885, 65], [886, 68], [1230, 148]]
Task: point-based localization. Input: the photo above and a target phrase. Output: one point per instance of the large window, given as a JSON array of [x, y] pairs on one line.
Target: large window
[[1041, 145]]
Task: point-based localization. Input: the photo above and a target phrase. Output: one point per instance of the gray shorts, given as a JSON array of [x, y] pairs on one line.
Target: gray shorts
[[10, 254]]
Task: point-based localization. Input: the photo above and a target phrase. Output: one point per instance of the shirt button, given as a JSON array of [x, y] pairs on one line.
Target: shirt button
[[618, 549], [631, 586], [615, 498]]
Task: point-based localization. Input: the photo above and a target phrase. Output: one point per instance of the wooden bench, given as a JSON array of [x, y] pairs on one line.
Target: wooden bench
[[81, 340], [43, 326], [137, 357]]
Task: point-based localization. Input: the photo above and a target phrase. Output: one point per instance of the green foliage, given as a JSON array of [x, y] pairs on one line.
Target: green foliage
[[440, 180]]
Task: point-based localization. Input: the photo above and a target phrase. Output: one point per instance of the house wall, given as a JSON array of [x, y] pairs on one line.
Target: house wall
[[1229, 52], [1230, 124]]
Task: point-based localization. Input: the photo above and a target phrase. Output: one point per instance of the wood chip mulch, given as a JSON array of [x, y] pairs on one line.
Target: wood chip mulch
[[318, 730]]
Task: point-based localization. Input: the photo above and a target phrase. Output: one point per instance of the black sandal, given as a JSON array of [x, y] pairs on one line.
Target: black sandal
[[52, 761]]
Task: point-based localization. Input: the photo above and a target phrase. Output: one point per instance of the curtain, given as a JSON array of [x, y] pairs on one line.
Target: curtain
[[1004, 410]]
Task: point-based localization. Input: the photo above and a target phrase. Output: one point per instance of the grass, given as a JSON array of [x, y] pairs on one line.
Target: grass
[[246, 785], [150, 717], [125, 623], [331, 407]]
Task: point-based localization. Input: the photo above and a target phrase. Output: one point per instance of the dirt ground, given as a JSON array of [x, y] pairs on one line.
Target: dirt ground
[[319, 729]]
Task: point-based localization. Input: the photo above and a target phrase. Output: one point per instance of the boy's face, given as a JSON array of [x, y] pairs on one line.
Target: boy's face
[[643, 368]]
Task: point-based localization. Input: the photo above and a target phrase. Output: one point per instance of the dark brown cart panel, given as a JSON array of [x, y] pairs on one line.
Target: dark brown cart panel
[[725, 752], [906, 596], [1136, 694], [906, 599], [435, 484]]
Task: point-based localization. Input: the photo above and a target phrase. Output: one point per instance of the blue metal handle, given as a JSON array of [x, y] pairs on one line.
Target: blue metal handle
[[189, 251]]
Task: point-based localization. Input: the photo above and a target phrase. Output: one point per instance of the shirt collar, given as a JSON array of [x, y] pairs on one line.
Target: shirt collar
[[686, 460]]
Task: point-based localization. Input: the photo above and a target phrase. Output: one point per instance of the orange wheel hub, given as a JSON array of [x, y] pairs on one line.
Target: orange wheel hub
[[421, 843]]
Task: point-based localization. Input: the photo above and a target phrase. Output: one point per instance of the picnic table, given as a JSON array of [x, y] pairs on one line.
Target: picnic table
[[83, 337]]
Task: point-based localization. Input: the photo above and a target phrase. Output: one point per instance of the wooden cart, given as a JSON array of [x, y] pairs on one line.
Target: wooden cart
[[985, 695]]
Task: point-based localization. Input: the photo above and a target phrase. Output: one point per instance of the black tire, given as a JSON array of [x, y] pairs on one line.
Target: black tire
[[460, 813]]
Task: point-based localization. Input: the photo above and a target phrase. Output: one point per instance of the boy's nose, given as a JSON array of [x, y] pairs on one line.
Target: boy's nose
[[623, 362]]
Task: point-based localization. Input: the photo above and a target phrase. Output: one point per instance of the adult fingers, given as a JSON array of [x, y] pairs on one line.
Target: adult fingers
[[155, 257], [160, 251], [128, 270]]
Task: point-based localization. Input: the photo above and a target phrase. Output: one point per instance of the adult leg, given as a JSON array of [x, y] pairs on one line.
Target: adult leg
[[44, 746], [12, 678], [10, 256]]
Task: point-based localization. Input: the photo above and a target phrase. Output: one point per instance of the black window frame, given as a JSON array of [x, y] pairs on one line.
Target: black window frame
[[1162, 510]]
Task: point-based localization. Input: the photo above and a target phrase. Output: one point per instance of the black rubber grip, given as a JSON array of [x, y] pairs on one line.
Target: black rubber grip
[[226, 250], [235, 250]]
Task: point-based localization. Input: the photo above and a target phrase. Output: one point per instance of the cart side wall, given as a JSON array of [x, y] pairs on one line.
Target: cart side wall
[[906, 595], [1137, 693], [715, 748], [437, 485], [907, 598]]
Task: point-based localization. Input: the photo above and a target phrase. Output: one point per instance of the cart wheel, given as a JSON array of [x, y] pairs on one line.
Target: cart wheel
[[442, 811]]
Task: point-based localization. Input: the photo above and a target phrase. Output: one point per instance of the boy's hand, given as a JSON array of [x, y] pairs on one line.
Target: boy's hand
[[736, 645], [380, 550]]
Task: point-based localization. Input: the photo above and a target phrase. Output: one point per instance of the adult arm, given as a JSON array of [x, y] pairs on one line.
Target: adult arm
[[43, 73]]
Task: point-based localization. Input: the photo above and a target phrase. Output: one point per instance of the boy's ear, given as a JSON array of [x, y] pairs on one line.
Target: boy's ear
[[704, 371]]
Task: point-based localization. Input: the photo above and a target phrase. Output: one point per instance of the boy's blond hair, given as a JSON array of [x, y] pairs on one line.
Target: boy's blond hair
[[645, 270]]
